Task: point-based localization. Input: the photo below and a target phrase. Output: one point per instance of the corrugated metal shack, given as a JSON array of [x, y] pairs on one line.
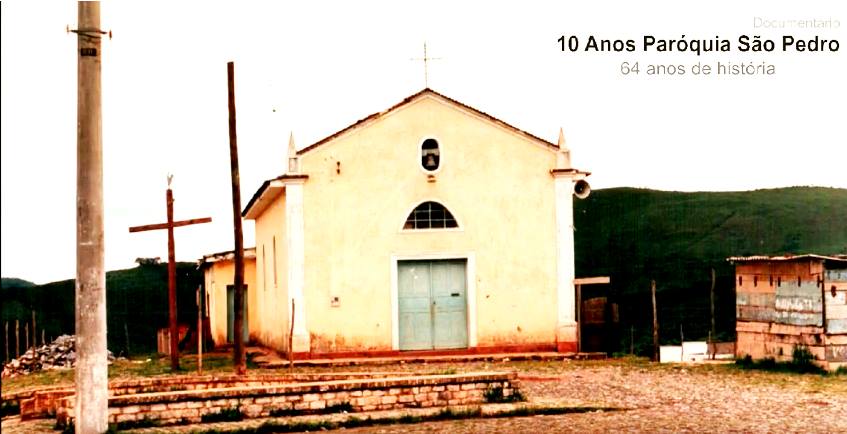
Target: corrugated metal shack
[[784, 301]]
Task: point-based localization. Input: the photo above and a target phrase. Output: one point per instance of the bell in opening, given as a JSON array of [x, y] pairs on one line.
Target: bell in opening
[[430, 155]]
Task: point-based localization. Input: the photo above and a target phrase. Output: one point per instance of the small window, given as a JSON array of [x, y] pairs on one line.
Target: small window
[[755, 280], [430, 155], [779, 281], [430, 215], [740, 280], [274, 253]]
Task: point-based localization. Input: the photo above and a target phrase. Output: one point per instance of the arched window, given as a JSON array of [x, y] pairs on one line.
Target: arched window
[[430, 155], [430, 215]]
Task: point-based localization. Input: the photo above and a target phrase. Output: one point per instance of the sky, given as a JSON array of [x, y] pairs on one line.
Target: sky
[[313, 68]]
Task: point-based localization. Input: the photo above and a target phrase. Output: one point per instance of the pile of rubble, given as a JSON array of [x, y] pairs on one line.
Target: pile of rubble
[[60, 354]]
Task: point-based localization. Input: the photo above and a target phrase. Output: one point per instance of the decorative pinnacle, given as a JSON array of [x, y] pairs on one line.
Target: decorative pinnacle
[[563, 158], [562, 144], [293, 161]]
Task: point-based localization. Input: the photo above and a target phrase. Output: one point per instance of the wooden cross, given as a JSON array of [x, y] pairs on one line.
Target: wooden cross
[[426, 60], [170, 225]]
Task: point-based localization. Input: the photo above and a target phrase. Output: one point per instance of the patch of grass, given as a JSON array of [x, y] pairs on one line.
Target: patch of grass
[[802, 362], [445, 414], [64, 429], [551, 411], [143, 423], [225, 415], [497, 395], [143, 366]]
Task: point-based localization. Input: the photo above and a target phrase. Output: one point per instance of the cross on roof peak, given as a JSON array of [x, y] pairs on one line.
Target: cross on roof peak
[[426, 60]]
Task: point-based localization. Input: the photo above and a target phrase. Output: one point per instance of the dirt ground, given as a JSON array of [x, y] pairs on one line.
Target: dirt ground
[[646, 398]]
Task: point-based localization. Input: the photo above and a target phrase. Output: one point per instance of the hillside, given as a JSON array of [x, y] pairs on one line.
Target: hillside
[[14, 282], [137, 305], [631, 235], [635, 235]]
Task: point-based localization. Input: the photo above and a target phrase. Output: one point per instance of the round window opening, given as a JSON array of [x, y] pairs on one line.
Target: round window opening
[[430, 155]]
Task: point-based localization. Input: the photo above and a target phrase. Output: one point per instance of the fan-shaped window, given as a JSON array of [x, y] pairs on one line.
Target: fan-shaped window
[[430, 215]]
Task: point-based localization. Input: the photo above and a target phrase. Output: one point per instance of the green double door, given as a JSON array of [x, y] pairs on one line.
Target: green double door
[[230, 315], [432, 304]]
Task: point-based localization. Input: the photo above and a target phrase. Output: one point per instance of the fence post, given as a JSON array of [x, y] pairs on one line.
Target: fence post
[[291, 339], [655, 323]]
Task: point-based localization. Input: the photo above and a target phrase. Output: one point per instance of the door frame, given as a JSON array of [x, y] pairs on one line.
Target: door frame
[[470, 287]]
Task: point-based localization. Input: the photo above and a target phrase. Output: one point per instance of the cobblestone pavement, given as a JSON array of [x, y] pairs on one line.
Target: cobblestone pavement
[[680, 399], [651, 398]]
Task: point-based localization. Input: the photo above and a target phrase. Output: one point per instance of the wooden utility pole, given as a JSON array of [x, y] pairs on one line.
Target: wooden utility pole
[[655, 323], [17, 338], [26, 337], [6, 341], [238, 359], [170, 225], [91, 367]]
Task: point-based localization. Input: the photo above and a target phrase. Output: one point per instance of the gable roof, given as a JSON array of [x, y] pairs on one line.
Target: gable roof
[[267, 186], [408, 100], [257, 196]]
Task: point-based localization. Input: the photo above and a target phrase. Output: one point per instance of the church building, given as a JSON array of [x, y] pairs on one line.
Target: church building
[[430, 226]]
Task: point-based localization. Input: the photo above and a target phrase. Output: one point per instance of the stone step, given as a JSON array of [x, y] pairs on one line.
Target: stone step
[[353, 395]]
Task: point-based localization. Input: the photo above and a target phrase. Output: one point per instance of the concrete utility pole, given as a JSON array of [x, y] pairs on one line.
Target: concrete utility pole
[[91, 409], [238, 359]]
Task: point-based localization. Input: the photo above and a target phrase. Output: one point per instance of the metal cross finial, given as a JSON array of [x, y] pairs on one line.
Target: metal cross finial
[[426, 60]]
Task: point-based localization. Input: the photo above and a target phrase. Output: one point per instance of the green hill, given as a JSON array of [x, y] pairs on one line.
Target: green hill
[[136, 306], [14, 282], [635, 235], [631, 235]]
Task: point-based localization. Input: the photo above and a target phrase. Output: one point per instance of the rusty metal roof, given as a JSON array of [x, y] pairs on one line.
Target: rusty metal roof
[[249, 253], [761, 258]]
